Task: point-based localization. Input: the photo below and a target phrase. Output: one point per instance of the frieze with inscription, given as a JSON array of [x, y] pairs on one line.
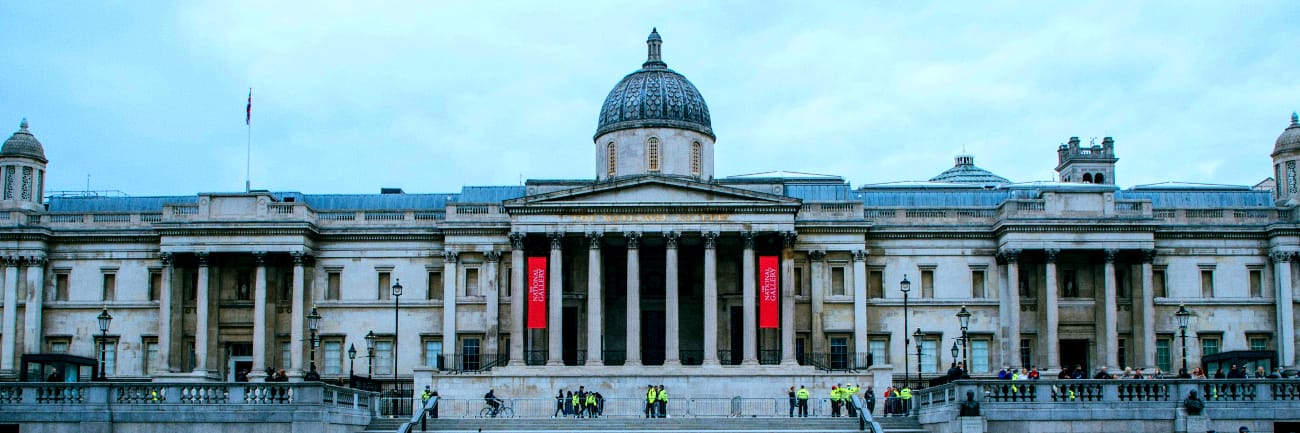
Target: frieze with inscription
[[646, 218]]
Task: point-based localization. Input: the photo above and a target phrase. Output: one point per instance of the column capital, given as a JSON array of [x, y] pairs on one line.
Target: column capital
[[557, 239], [671, 237], [12, 261], [1110, 254], [516, 240], [493, 256], [1052, 254], [816, 255], [202, 257], [259, 257], [35, 260], [299, 258], [1148, 256], [1281, 256], [859, 255], [593, 239], [633, 240], [789, 238], [1010, 255], [450, 256], [711, 239], [165, 258]]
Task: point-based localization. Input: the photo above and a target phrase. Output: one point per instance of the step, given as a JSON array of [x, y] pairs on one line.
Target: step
[[711, 425]]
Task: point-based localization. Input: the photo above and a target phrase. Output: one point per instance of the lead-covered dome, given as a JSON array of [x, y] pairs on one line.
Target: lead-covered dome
[[1290, 138], [23, 143], [965, 171], [654, 96]]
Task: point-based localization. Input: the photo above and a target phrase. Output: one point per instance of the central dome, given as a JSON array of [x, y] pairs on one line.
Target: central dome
[[654, 96]]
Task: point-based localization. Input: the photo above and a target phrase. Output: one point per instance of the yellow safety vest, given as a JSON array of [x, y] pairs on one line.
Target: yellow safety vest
[[426, 396], [802, 394], [836, 394], [591, 399], [575, 400], [905, 394], [651, 396], [663, 395]]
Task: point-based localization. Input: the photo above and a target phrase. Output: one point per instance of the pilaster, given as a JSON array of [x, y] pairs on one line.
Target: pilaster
[[202, 328], [1146, 326], [165, 306], [1284, 297], [450, 275], [817, 262], [34, 309], [492, 310], [860, 304]]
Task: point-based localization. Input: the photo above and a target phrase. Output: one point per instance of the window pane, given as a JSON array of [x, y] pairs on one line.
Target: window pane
[[1026, 353], [333, 353], [1258, 343], [837, 281], [798, 282], [929, 348], [839, 352], [432, 353], [1162, 354], [979, 359], [878, 353], [1209, 346], [383, 357], [285, 355]]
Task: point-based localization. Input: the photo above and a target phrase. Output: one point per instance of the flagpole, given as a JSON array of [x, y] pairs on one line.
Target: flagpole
[[248, 158]]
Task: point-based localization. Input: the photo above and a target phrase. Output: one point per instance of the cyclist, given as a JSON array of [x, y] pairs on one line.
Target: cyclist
[[492, 401]]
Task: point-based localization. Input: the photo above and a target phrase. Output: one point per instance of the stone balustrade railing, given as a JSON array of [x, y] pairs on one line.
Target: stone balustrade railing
[[203, 393]]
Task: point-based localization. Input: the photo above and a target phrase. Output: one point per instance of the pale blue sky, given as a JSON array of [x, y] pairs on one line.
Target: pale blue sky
[[148, 97]]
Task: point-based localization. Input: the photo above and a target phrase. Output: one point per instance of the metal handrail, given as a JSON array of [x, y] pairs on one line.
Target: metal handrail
[[865, 420], [419, 416]]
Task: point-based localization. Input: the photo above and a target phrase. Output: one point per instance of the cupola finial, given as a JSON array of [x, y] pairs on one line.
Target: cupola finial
[[22, 126], [654, 59], [1295, 120]]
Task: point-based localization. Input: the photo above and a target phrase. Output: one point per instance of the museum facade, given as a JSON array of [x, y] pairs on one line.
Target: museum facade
[[656, 266]]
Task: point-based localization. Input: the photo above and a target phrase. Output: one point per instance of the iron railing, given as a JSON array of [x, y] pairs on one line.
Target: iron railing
[[692, 357], [614, 357], [769, 357], [536, 357], [473, 363]]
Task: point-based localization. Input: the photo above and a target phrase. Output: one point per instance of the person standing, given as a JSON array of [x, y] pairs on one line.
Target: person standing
[[802, 396], [848, 399], [835, 401], [559, 404], [792, 402], [870, 399], [651, 400], [663, 402], [590, 405]]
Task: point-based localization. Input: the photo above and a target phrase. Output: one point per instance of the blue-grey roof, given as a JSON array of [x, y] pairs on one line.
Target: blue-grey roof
[[1199, 199], [117, 204], [489, 194], [818, 192], [933, 198], [652, 97], [377, 201], [965, 171]]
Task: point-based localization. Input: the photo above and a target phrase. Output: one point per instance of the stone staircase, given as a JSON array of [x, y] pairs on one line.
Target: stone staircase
[[709, 425]]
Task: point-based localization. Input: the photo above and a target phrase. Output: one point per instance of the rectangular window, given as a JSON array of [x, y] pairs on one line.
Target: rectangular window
[[1207, 283], [471, 282], [979, 355], [58, 344], [286, 356], [876, 284], [434, 290], [433, 353], [109, 289], [384, 289], [332, 352], [1209, 345], [191, 354], [244, 292], [1158, 283], [929, 352], [1121, 284], [150, 355], [798, 282], [927, 283], [190, 279], [1123, 352], [383, 356], [839, 353], [155, 285], [1026, 352], [61, 286], [107, 355], [1069, 284], [1256, 282], [977, 288], [1163, 345], [837, 281], [1258, 342], [469, 350], [878, 347], [333, 285]]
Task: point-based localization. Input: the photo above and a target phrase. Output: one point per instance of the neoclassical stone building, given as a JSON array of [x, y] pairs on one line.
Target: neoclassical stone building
[[655, 267]]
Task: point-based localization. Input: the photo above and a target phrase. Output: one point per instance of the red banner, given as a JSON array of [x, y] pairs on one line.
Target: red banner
[[537, 293], [769, 293]]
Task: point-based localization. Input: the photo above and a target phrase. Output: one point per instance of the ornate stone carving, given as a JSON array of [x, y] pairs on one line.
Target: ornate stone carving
[[450, 256], [492, 256], [1051, 254], [789, 238], [671, 239], [299, 258], [557, 239], [1148, 256], [516, 240], [1110, 254], [816, 255], [12, 261], [1011, 255], [711, 239], [166, 259], [633, 240], [35, 261], [593, 239], [859, 255], [1281, 256], [202, 257], [259, 257]]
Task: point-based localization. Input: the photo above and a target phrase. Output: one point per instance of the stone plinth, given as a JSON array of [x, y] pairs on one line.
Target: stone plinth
[[972, 424]]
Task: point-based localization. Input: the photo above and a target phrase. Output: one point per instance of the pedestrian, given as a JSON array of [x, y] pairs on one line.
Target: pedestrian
[[579, 402], [890, 395], [905, 400], [870, 398], [651, 400], [848, 399], [590, 405], [424, 398], [835, 401], [559, 404], [663, 401], [802, 395], [568, 403], [792, 402]]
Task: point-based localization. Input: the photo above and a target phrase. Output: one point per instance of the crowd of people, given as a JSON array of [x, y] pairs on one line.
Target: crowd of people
[[578, 404], [840, 396]]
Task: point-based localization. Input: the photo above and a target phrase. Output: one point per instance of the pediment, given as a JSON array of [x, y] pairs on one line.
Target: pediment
[[654, 191]]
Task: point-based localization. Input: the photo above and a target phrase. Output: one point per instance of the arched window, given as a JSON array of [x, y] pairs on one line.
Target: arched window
[[695, 158], [1087, 178], [611, 159], [652, 154], [1099, 178]]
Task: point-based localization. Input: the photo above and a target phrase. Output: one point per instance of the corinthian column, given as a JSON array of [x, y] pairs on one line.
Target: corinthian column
[[1009, 305], [517, 298], [633, 298], [10, 325], [787, 299], [710, 298], [1108, 340], [35, 304], [1052, 313], [594, 329], [749, 293], [672, 354], [1285, 308], [555, 305]]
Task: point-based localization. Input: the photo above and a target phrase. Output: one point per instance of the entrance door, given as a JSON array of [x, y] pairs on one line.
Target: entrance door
[[737, 334], [1075, 353], [239, 361], [652, 337], [569, 336]]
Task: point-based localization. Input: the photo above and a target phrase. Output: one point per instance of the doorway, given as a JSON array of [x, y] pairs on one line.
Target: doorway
[[569, 336], [240, 362], [737, 335], [652, 337], [1075, 353]]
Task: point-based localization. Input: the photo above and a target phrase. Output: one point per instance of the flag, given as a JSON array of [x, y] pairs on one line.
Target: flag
[[248, 110]]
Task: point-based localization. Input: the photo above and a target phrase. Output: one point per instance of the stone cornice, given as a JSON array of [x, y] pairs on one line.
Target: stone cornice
[[1004, 228], [650, 208], [984, 235]]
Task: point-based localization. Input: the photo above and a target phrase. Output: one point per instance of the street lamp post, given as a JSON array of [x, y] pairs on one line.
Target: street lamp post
[[370, 355], [963, 316], [104, 319], [313, 324], [397, 295], [905, 286], [918, 335], [352, 364], [1183, 315]]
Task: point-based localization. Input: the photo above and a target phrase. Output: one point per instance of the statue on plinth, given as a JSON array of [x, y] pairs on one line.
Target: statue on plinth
[[970, 407], [1193, 404]]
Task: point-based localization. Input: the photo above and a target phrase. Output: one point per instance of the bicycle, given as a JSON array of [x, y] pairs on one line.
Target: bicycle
[[503, 411]]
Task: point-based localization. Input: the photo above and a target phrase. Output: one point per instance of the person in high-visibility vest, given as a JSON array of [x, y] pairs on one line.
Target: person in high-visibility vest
[[802, 396], [663, 402], [590, 405], [651, 400], [835, 400], [848, 399], [905, 395], [577, 403]]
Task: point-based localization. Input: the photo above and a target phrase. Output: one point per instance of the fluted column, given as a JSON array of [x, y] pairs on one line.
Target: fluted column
[[201, 326], [859, 303], [787, 299], [1146, 327], [672, 353], [165, 322], [633, 298], [749, 301], [817, 259], [450, 270], [297, 332], [710, 298], [1285, 308], [1051, 313], [259, 317], [517, 298], [492, 311], [1108, 341], [595, 330], [10, 325], [1010, 306], [35, 304], [555, 303]]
